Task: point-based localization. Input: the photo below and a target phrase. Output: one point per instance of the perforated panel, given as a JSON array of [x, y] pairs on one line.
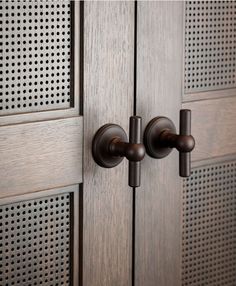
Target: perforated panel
[[35, 56], [35, 242], [210, 45], [209, 226]]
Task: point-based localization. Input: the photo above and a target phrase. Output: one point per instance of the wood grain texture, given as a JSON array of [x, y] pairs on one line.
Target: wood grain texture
[[158, 200], [108, 97], [41, 155], [214, 128]]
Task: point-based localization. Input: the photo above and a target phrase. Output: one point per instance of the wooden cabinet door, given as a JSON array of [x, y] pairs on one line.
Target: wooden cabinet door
[[185, 229], [66, 69], [41, 139]]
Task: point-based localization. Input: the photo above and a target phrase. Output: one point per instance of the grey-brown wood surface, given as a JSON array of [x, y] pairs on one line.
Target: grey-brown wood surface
[[209, 94], [213, 126], [158, 200], [108, 98], [40, 155]]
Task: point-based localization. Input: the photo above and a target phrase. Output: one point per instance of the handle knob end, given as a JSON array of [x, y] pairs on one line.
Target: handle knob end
[[184, 164]]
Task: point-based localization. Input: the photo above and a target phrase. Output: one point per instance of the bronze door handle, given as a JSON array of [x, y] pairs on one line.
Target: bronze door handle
[[160, 138], [110, 145]]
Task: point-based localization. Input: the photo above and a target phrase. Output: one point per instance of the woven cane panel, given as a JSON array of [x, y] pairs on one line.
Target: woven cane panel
[[35, 242], [35, 56], [210, 45], [209, 226]]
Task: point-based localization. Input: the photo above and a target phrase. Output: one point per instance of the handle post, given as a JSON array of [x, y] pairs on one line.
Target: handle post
[[135, 129], [185, 130]]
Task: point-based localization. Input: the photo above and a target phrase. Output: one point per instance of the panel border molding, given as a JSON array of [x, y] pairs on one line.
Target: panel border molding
[[212, 94], [215, 160]]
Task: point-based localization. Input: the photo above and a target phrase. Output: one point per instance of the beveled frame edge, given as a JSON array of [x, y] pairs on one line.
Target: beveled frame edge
[[214, 160], [74, 191], [58, 113], [210, 94]]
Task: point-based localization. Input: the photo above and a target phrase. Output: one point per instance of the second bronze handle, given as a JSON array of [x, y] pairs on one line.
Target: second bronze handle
[[160, 137]]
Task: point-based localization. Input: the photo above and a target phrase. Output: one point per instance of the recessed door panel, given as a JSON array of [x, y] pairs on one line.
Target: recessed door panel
[[209, 45], [39, 238], [36, 56], [209, 227]]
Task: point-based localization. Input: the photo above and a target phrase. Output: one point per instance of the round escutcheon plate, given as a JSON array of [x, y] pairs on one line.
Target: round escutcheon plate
[[101, 142], [152, 132]]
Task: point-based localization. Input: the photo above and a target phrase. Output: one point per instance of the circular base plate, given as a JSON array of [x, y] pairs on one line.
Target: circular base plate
[[101, 142], [152, 132]]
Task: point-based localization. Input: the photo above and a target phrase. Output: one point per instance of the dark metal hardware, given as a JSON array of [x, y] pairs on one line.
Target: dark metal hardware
[[160, 137], [110, 146]]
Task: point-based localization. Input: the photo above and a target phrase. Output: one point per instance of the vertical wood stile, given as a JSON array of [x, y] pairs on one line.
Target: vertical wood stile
[[159, 88], [108, 98]]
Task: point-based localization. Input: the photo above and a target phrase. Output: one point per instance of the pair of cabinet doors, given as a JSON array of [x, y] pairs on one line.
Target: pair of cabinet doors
[[67, 68]]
